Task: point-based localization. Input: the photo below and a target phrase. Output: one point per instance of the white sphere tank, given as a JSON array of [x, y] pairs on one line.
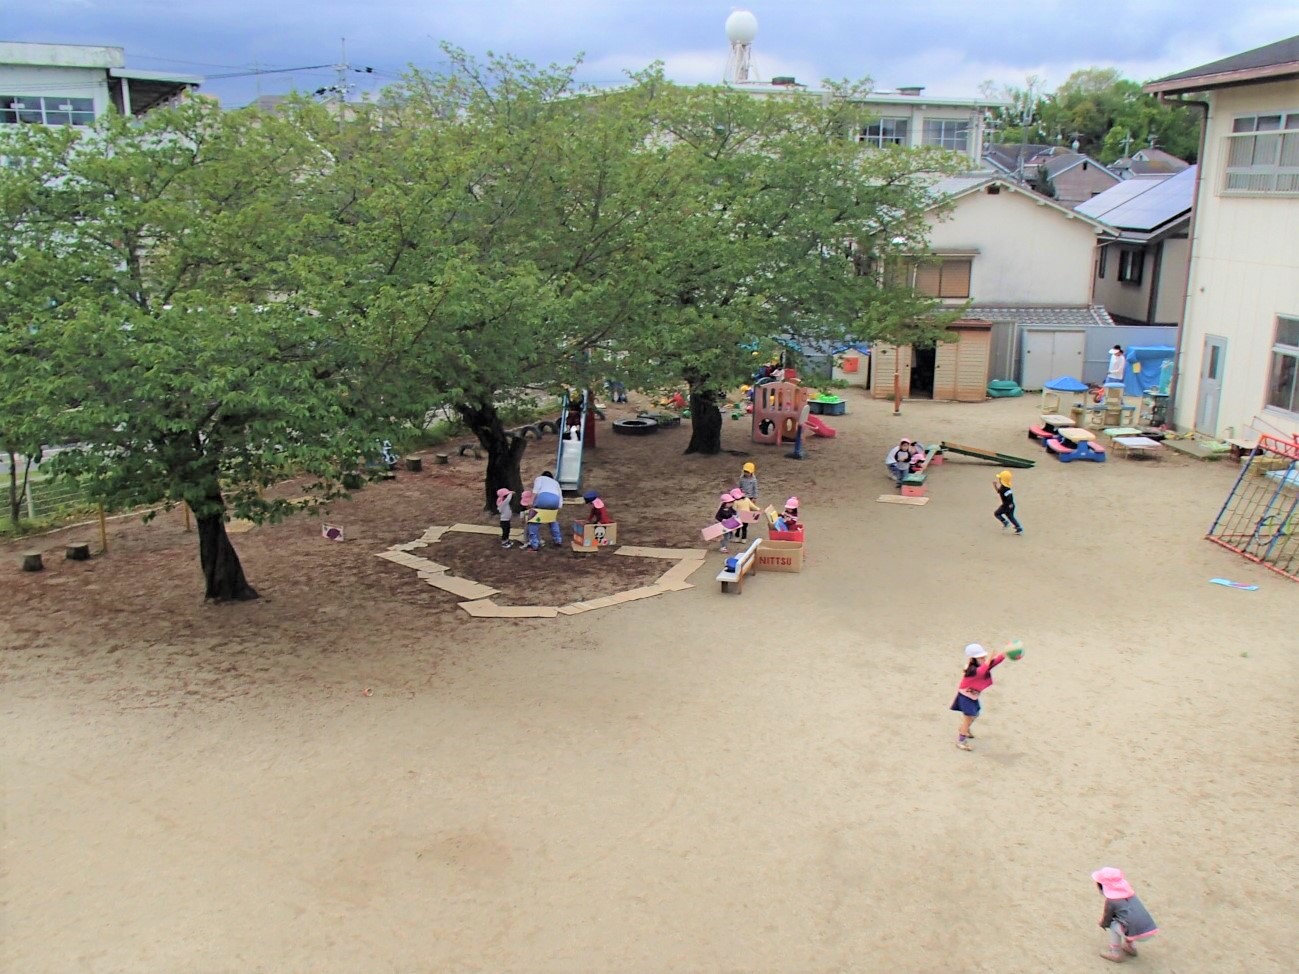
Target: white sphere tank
[[741, 27]]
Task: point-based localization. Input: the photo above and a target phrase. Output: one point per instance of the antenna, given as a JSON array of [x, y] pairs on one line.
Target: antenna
[[741, 29]]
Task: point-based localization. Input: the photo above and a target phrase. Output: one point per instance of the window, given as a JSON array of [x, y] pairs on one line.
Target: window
[[1262, 155], [1101, 261], [947, 278], [948, 133], [885, 131], [38, 110], [1283, 380], [1131, 264]]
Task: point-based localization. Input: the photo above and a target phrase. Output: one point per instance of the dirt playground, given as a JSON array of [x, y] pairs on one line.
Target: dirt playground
[[353, 775]]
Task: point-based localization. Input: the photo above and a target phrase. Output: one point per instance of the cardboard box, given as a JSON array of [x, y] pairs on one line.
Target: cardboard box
[[775, 535], [780, 556], [593, 537]]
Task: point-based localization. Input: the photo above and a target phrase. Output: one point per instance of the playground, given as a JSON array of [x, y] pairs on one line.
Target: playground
[[353, 774]]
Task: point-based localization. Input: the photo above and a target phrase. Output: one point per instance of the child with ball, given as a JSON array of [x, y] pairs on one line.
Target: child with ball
[[976, 679]]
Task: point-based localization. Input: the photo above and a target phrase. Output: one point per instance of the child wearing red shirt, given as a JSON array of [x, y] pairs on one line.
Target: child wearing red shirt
[[977, 678]]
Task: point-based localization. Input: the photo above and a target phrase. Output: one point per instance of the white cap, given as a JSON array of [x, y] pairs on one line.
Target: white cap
[[974, 651]]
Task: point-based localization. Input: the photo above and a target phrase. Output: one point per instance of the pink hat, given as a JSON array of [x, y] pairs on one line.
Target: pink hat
[[598, 504], [503, 493], [791, 504], [737, 494], [726, 497], [527, 498], [1113, 885]]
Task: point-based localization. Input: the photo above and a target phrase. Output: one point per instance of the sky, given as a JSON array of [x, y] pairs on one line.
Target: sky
[[949, 46]]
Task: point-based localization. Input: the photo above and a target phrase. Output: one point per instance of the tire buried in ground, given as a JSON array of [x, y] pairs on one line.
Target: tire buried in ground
[[635, 427]]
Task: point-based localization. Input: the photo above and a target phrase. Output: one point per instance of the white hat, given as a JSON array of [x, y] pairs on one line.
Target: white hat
[[975, 651]]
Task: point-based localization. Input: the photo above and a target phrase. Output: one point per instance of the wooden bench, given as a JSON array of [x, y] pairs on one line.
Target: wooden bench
[[913, 484], [745, 562]]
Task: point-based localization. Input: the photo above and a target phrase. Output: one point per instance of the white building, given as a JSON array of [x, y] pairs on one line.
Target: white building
[[73, 84], [1238, 354]]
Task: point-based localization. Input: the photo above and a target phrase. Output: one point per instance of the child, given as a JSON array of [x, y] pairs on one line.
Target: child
[[1006, 512], [789, 518], [748, 487], [505, 511], [531, 521], [599, 512], [1125, 917], [724, 513], [899, 460], [977, 678], [742, 505]]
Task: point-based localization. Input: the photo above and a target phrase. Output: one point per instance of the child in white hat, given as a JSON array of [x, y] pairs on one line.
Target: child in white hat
[[977, 678], [1125, 917]]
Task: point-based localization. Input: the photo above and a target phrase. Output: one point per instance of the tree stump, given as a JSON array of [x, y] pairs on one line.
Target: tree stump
[[388, 475], [414, 464], [77, 551], [353, 481], [442, 458], [32, 561]]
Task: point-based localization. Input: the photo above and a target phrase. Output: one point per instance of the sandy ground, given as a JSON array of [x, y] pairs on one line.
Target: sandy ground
[[695, 782]]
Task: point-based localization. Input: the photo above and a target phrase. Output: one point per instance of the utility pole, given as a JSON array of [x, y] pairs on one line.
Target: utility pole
[[341, 67]]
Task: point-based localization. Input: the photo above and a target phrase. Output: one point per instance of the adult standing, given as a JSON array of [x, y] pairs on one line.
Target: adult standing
[[548, 499], [1118, 365]]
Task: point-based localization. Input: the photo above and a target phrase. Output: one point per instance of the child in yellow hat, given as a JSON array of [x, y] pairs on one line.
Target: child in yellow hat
[[1006, 512], [749, 488]]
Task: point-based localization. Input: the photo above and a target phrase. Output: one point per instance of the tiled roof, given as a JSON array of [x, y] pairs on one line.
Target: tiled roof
[[1050, 315], [1281, 55]]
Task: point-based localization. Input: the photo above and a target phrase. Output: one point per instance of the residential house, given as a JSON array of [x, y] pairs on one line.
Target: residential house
[[1238, 354], [1024, 264], [73, 84], [1141, 277], [1072, 176], [1148, 162]]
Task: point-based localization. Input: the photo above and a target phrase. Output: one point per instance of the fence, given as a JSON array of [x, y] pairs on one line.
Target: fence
[[50, 498]]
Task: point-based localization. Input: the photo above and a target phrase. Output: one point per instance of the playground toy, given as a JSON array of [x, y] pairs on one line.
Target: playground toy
[[1260, 518], [913, 484], [738, 566], [1003, 459], [1015, 649], [824, 405], [573, 419], [1071, 444], [776, 408], [589, 538]]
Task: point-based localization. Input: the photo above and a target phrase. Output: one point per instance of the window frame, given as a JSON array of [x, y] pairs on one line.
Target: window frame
[[1102, 260], [1130, 258], [47, 110], [942, 264], [1275, 135], [1283, 352], [879, 140], [960, 142]]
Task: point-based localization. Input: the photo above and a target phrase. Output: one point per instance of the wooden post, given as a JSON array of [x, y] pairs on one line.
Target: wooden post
[[188, 529], [897, 380], [103, 530], [32, 561]]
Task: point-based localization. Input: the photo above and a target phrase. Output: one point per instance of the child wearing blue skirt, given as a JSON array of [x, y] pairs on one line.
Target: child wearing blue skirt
[[977, 678]]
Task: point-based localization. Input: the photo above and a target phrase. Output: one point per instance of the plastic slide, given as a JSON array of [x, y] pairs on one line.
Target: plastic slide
[[819, 428], [1005, 459]]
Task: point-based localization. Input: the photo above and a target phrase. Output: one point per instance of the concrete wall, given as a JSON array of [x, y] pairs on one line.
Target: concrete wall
[[1133, 300], [1118, 298], [1027, 252], [1172, 280], [1245, 272], [56, 82]]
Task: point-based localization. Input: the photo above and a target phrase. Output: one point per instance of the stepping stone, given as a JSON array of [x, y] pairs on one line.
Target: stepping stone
[[487, 609], [476, 528], [895, 499], [465, 588]]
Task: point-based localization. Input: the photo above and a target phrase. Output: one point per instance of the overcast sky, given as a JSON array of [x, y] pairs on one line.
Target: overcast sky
[[949, 46]]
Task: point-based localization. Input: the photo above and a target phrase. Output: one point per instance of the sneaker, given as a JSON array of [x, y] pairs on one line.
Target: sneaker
[[725, 551], [1128, 949], [507, 544], [1019, 530], [964, 746], [1110, 953]]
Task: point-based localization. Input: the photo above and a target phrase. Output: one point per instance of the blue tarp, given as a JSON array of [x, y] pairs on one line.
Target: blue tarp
[[1065, 384], [1145, 367]]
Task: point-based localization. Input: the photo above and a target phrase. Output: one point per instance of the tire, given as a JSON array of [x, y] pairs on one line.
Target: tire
[[635, 427]]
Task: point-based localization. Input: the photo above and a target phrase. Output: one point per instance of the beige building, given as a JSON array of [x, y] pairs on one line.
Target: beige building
[[1141, 277], [1238, 355], [1024, 264]]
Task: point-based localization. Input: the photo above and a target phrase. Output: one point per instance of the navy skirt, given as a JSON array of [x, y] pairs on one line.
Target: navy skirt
[[964, 705]]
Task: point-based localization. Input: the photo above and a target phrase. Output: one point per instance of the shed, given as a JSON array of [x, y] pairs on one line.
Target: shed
[[852, 364], [951, 370]]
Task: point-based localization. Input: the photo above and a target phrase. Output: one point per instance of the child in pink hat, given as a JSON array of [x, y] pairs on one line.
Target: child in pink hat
[[505, 511], [742, 504], [1125, 918], [725, 512]]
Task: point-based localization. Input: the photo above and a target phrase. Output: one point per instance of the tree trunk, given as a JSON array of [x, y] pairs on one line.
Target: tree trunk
[[15, 501], [504, 452], [222, 572], [705, 423]]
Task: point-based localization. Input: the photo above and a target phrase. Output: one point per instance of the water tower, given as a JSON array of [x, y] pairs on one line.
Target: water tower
[[741, 29]]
